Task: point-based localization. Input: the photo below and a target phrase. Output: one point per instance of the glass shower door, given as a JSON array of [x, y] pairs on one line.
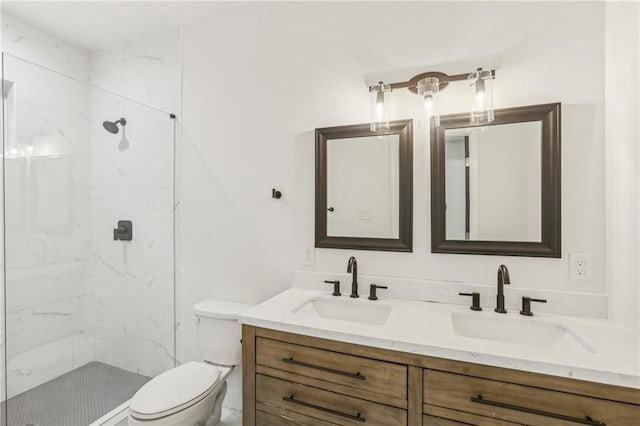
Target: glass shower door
[[89, 315], [5, 89]]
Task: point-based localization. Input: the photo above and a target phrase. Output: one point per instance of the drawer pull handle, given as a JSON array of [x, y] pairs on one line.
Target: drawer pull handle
[[586, 421], [292, 400], [326, 369]]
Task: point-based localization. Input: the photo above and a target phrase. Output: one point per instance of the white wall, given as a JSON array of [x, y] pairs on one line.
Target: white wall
[[622, 48], [258, 81]]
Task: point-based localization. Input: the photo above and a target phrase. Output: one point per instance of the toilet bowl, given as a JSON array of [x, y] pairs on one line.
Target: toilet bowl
[[192, 394]]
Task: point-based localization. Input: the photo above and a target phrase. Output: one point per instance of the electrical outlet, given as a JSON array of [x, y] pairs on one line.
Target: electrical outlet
[[364, 214], [309, 257], [580, 266]]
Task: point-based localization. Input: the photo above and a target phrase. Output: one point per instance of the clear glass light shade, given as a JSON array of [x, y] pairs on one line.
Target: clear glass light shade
[[429, 91], [481, 86], [380, 108]]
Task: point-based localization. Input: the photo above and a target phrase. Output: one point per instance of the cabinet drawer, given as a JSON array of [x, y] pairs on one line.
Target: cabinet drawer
[[522, 404], [380, 377], [264, 418], [444, 416], [439, 421], [324, 405]]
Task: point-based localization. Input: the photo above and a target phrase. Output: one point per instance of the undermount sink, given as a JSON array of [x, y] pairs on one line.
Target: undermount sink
[[523, 331], [346, 310]]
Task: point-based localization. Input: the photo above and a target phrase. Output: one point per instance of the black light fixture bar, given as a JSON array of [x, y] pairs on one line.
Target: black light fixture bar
[[444, 80]]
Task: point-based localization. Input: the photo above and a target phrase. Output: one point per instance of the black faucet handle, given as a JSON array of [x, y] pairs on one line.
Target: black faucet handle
[[372, 291], [526, 305], [336, 287], [475, 300]]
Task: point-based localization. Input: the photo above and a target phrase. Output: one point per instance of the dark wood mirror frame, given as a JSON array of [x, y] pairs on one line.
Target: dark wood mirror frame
[[549, 115], [403, 128]]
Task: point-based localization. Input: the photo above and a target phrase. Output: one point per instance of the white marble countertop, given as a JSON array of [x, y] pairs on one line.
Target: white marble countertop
[[426, 328]]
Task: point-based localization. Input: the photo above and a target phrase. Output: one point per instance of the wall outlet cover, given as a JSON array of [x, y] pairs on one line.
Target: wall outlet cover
[[580, 266], [309, 256], [364, 214]]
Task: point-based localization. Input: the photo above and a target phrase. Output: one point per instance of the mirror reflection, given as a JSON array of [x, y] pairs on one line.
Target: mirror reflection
[[493, 182], [363, 187]]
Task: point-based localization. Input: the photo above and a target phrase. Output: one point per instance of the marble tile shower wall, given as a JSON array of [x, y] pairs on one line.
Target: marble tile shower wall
[[147, 70], [131, 283], [133, 322]]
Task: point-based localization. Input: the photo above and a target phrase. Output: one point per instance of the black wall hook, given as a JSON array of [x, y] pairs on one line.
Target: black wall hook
[[276, 194]]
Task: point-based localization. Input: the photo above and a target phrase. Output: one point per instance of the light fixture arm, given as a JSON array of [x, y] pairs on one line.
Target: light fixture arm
[[443, 80]]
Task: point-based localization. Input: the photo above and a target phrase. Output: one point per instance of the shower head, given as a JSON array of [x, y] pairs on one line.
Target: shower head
[[112, 127]]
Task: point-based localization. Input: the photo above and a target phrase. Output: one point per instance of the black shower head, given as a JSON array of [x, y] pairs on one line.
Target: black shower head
[[112, 127]]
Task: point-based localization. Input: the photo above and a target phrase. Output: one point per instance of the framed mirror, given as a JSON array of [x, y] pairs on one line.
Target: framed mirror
[[495, 189], [364, 187]]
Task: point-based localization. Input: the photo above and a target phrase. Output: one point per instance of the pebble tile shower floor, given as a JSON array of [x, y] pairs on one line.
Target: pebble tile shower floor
[[74, 399]]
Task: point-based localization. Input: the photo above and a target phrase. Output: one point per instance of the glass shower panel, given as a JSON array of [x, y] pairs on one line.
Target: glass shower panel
[[7, 94], [89, 318]]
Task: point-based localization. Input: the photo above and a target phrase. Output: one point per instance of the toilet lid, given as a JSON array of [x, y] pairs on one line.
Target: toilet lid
[[174, 390]]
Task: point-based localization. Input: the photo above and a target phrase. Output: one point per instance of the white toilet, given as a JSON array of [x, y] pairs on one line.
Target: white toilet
[[192, 394]]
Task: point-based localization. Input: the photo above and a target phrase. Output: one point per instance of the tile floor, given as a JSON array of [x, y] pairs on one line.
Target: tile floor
[[76, 398]]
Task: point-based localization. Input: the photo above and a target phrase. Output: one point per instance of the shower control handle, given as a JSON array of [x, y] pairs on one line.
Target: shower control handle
[[124, 231], [117, 232]]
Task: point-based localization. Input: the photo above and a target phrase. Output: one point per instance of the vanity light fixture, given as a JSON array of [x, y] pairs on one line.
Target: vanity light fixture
[[481, 85], [429, 89], [380, 109], [429, 85]]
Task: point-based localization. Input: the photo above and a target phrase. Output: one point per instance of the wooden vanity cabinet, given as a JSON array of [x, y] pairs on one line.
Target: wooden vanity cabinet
[[292, 379]]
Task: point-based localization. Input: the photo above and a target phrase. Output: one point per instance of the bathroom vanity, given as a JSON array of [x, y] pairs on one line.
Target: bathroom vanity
[[306, 366], [318, 381]]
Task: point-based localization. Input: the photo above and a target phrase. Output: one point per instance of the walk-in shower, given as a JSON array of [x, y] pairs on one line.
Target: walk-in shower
[[88, 319]]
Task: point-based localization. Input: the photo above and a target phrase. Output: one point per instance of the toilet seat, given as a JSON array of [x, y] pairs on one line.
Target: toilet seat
[[175, 390]]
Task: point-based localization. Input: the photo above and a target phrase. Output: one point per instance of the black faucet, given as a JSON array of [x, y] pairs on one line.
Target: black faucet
[[352, 267], [503, 278]]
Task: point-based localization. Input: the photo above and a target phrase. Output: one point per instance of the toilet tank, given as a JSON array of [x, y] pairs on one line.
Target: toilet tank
[[219, 332]]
